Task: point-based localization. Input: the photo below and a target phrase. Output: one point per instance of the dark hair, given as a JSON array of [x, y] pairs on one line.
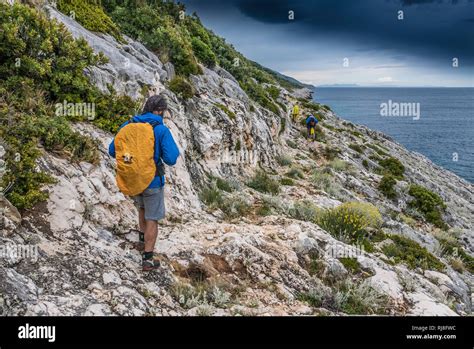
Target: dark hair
[[155, 103]]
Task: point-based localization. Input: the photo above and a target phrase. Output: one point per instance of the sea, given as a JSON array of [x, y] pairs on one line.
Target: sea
[[436, 122]]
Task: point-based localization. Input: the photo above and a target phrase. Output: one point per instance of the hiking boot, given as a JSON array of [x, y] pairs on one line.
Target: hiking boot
[[149, 264]]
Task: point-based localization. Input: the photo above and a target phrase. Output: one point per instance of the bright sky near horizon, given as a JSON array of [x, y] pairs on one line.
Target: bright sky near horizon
[[351, 41]]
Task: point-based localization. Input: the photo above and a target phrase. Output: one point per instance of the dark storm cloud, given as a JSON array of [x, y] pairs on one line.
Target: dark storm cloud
[[436, 28]]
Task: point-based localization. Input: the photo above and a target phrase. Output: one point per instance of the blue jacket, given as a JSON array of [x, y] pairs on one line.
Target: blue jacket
[[309, 118], [166, 149]]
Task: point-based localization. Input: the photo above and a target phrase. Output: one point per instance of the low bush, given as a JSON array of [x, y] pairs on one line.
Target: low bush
[[351, 264], [203, 52], [291, 144], [429, 204], [411, 253], [235, 206], [393, 167], [224, 185], [347, 297], [331, 153], [357, 147], [263, 183], [338, 165], [284, 160], [453, 249], [181, 87], [212, 196], [226, 110], [377, 149], [273, 92], [305, 210], [350, 219], [387, 186], [323, 180], [295, 173], [287, 181], [91, 16]]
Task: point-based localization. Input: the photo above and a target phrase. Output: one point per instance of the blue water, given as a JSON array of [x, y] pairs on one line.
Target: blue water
[[445, 126]]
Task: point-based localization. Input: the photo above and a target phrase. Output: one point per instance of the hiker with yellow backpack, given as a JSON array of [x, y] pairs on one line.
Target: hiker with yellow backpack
[[311, 122], [141, 147]]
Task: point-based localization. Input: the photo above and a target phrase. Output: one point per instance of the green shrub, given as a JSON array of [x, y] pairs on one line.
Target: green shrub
[[408, 251], [284, 160], [224, 185], [350, 219], [235, 206], [351, 264], [181, 87], [51, 70], [428, 203], [393, 167], [453, 248], [159, 27], [355, 133], [332, 128], [287, 181], [226, 110], [91, 16], [365, 163], [305, 210], [116, 110], [357, 147], [203, 52], [212, 196], [331, 153], [291, 144], [375, 157], [273, 91], [387, 186], [262, 182], [348, 297], [264, 210], [323, 180], [295, 173], [377, 149], [338, 165]]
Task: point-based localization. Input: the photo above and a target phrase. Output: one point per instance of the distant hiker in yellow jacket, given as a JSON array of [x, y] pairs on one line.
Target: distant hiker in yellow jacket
[[295, 112]]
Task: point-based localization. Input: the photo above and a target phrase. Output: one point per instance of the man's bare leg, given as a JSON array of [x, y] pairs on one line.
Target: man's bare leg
[[151, 233]]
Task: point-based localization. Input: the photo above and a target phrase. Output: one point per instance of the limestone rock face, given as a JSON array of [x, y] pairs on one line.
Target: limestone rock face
[[83, 259]]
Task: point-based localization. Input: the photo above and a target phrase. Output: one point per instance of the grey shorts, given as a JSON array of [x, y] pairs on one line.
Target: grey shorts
[[153, 201]]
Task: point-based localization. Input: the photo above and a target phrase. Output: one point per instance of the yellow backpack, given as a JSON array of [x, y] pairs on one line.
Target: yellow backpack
[[134, 151]]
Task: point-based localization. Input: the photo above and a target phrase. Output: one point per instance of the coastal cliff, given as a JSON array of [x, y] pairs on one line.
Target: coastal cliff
[[260, 220]]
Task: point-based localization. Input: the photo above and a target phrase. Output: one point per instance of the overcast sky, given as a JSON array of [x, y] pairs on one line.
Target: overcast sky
[[380, 49]]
